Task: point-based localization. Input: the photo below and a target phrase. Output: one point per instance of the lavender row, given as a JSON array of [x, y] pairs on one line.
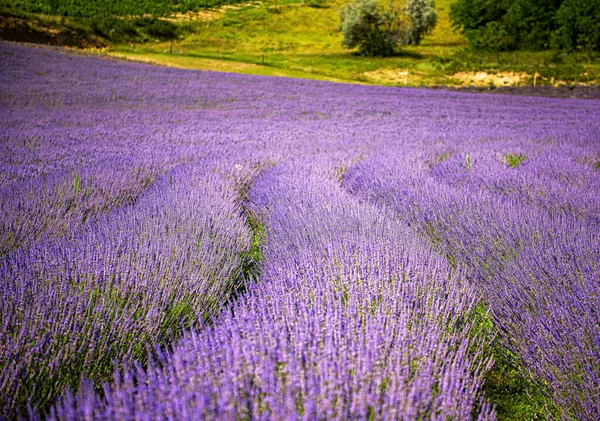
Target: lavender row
[[528, 235], [57, 205], [442, 160], [132, 279], [353, 317]]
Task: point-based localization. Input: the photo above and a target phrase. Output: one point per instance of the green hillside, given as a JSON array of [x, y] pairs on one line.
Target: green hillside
[[91, 8], [289, 37]]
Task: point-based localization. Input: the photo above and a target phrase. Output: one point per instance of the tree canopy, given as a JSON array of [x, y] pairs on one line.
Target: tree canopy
[[529, 24], [378, 30]]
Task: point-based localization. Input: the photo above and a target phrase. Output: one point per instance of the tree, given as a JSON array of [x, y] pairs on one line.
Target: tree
[[578, 26], [496, 38], [375, 30], [472, 17], [422, 17], [529, 24], [469, 15]]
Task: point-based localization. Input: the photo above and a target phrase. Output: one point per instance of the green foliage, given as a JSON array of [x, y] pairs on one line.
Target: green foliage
[[92, 8], [529, 24], [471, 15], [422, 17], [578, 26], [375, 30], [495, 37], [76, 183], [516, 397], [481, 23], [317, 3], [513, 160], [162, 29], [135, 29]]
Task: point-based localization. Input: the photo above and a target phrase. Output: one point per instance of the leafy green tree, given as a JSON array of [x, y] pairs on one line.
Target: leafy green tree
[[375, 30], [471, 15], [578, 26], [422, 19], [526, 24], [531, 22], [496, 38], [480, 22]]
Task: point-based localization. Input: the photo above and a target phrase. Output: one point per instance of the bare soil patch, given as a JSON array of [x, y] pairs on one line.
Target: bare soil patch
[[388, 76], [492, 79], [200, 16]]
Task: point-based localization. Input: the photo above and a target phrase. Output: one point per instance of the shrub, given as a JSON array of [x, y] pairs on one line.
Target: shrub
[[162, 29], [468, 16], [375, 30], [422, 17]]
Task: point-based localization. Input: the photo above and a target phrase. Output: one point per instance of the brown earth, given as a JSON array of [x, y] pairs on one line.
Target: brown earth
[[489, 79], [513, 83]]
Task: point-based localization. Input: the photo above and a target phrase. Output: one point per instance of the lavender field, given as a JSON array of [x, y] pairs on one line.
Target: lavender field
[[190, 245]]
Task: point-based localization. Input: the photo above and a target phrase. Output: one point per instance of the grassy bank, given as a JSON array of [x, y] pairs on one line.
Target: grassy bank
[[289, 38]]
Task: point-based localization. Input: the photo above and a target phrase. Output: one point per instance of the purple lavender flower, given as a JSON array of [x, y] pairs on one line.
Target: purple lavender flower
[[136, 202]]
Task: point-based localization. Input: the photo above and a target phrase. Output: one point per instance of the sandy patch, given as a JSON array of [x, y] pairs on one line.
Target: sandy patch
[[207, 15], [201, 16], [388, 76], [511, 79], [495, 79]]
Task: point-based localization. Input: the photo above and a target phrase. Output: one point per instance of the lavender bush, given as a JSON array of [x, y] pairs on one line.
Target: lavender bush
[[179, 244], [353, 318], [529, 237], [132, 279]]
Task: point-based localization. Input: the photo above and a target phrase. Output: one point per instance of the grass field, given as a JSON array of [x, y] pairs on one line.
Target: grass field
[[290, 38]]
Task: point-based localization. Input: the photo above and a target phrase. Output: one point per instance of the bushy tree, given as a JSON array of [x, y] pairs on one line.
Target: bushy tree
[[422, 19], [375, 30], [470, 15], [496, 38], [479, 19], [529, 24], [578, 26]]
